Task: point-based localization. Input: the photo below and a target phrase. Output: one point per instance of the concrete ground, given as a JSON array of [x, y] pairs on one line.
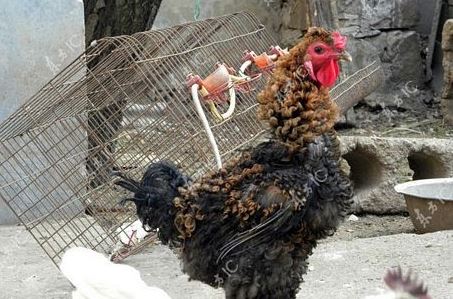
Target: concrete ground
[[339, 268]]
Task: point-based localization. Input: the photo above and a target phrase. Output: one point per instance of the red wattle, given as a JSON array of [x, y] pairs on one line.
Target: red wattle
[[328, 73]]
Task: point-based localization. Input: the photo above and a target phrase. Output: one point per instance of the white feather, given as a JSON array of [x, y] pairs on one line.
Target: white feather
[[95, 277], [131, 234]]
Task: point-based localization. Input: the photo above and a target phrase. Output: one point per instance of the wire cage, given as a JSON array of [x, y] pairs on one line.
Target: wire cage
[[119, 106]]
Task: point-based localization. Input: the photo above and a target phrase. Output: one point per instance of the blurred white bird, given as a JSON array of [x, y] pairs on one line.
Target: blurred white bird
[[95, 277], [402, 286]]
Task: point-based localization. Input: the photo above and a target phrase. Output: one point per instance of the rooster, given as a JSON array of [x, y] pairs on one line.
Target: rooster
[[251, 226]]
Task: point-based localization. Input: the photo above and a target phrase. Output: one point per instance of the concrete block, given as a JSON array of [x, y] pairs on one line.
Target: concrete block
[[377, 164]]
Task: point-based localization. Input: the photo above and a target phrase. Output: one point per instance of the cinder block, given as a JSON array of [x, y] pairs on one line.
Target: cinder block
[[377, 164]]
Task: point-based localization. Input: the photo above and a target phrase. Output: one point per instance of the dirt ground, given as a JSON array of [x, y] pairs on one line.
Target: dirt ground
[[348, 265], [369, 226], [422, 118]]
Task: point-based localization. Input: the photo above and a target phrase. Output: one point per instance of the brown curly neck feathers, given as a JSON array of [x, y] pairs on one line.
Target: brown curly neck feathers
[[295, 106]]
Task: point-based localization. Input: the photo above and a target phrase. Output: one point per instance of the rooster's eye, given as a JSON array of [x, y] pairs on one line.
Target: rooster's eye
[[319, 50]]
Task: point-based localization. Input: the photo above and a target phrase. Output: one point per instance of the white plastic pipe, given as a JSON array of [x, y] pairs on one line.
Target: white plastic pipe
[[206, 126], [232, 106], [244, 66], [273, 57]]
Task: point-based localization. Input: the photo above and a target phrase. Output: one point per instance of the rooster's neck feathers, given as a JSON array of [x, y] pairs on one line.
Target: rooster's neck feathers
[[298, 108]]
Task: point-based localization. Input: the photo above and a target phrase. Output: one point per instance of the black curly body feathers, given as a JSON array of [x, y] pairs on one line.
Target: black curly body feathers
[[253, 234]]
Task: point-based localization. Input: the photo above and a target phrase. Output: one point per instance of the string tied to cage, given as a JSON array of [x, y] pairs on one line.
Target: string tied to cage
[[197, 10]]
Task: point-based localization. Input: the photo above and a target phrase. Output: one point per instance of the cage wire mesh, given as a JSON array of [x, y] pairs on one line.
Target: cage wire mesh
[[119, 106], [355, 87]]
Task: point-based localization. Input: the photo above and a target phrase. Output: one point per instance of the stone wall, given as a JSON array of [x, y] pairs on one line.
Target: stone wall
[[401, 34], [386, 31]]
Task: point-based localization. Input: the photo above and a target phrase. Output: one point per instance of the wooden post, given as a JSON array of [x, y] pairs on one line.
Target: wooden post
[[323, 13], [447, 93], [110, 18], [299, 15]]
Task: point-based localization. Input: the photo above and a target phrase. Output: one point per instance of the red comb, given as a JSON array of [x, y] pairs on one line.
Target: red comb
[[339, 41]]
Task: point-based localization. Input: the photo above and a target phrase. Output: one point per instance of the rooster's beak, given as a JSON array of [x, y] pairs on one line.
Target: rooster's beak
[[345, 56]]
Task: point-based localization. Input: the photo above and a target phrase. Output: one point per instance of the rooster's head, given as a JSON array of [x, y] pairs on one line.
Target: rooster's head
[[322, 56], [296, 100]]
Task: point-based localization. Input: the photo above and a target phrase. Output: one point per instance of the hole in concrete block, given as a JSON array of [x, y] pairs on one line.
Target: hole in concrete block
[[426, 166], [366, 170]]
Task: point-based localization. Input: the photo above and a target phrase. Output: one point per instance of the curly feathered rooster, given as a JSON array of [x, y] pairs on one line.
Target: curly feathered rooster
[[251, 226]]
